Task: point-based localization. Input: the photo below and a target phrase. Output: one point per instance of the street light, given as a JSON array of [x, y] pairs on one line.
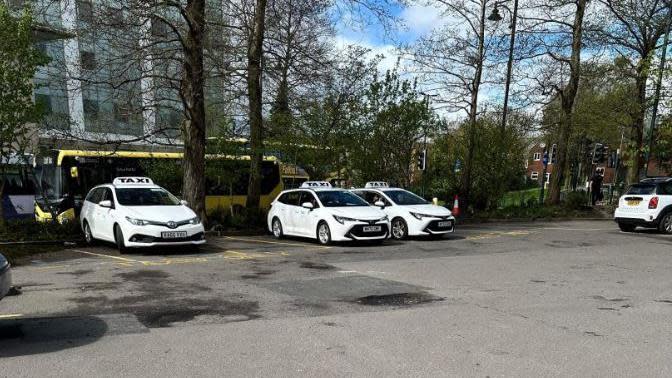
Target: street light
[[496, 17]]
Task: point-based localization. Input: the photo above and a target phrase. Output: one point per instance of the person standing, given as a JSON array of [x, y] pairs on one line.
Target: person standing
[[596, 188]]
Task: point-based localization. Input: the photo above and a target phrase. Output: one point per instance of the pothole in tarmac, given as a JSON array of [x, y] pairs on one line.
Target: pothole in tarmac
[[398, 299], [314, 265]]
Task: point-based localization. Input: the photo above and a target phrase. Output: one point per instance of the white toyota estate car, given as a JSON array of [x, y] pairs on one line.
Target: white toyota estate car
[[410, 215], [316, 210], [134, 212], [646, 204]]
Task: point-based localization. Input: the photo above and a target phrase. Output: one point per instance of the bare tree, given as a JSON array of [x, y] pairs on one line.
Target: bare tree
[[452, 61]]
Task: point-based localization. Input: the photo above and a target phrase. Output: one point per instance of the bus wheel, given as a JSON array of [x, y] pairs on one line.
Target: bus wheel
[[277, 228], [88, 237], [119, 239]]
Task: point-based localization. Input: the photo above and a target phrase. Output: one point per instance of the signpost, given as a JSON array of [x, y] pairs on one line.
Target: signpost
[[543, 177]]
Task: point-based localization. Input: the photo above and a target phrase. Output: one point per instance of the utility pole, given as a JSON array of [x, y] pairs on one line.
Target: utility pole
[[543, 177]]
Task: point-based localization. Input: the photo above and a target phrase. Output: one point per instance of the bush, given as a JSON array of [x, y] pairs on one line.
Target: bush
[[30, 230], [239, 218], [576, 200]]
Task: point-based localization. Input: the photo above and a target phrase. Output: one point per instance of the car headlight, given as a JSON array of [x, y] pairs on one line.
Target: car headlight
[[342, 220], [195, 220], [384, 219], [137, 222], [419, 216]]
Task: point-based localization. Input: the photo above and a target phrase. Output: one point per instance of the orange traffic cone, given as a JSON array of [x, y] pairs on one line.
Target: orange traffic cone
[[456, 207]]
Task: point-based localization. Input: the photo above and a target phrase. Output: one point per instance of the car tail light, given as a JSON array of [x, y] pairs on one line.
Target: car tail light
[[653, 203]]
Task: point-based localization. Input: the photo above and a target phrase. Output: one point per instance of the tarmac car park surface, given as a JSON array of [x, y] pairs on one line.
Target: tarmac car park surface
[[567, 298]]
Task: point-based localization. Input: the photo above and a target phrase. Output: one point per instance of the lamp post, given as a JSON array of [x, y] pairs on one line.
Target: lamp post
[[496, 17]]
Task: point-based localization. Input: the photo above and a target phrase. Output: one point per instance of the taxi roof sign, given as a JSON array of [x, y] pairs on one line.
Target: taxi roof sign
[[132, 180], [376, 184], [316, 184]]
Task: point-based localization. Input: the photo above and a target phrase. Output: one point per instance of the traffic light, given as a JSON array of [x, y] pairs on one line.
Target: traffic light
[[598, 153], [422, 160]]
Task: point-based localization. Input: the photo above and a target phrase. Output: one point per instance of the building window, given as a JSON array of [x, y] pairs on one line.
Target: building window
[[537, 156], [88, 60], [90, 108], [548, 178], [84, 11], [534, 176], [43, 101]]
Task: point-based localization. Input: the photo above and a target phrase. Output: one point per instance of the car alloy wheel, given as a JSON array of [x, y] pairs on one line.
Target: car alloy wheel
[[398, 229], [666, 224], [323, 233], [277, 228], [87, 233]]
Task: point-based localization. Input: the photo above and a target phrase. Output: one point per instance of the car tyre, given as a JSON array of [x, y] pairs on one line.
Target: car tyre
[[399, 229], [665, 225], [276, 228], [88, 236], [323, 233], [626, 227], [119, 239]]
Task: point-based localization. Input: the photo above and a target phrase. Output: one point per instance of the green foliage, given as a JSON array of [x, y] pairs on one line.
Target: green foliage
[[239, 218], [535, 212], [497, 165], [576, 200], [30, 230], [164, 172]]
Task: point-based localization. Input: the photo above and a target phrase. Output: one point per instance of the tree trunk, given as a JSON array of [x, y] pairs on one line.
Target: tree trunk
[[254, 91], [568, 95], [465, 184], [637, 134], [193, 129]]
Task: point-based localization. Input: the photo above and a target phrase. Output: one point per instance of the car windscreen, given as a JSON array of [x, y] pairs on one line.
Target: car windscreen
[[402, 197], [145, 197], [338, 198], [641, 189]]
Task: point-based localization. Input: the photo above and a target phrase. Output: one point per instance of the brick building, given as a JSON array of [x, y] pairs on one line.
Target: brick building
[[534, 166]]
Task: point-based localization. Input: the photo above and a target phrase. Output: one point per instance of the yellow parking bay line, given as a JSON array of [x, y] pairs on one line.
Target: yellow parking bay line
[[109, 257], [10, 316], [250, 240]]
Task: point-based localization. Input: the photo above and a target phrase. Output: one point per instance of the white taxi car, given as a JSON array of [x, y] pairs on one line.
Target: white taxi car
[[316, 210], [134, 212], [646, 204], [409, 213]]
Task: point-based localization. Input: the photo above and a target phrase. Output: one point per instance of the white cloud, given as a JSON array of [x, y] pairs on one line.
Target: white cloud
[[421, 19], [389, 52]]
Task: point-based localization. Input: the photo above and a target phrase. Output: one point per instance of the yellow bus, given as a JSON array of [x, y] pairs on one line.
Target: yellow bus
[[66, 176]]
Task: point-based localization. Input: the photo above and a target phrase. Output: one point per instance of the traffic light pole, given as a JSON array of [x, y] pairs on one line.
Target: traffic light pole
[[543, 178]]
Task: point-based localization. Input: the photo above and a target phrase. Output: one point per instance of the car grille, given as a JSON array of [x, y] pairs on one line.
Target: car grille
[[434, 226], [358, 231], [139, 238]]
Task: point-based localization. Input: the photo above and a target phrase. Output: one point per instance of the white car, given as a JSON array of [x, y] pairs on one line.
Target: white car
[[5, 277], [646, 204], [410, 215], [133, 212], [316, 210]]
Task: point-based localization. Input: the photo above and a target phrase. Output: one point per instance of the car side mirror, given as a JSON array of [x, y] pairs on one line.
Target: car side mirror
[[185, 203], [106, 203], [307, 205], [380, 204]]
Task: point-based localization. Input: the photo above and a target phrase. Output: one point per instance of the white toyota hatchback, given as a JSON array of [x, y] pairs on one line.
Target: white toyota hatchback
[[409, 214], [646, 204], [316, 210], [133, 212]]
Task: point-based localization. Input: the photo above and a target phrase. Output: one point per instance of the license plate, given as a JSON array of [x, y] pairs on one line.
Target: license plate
[[173, 234], [372, 228], [633, 203], [445, 224]]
